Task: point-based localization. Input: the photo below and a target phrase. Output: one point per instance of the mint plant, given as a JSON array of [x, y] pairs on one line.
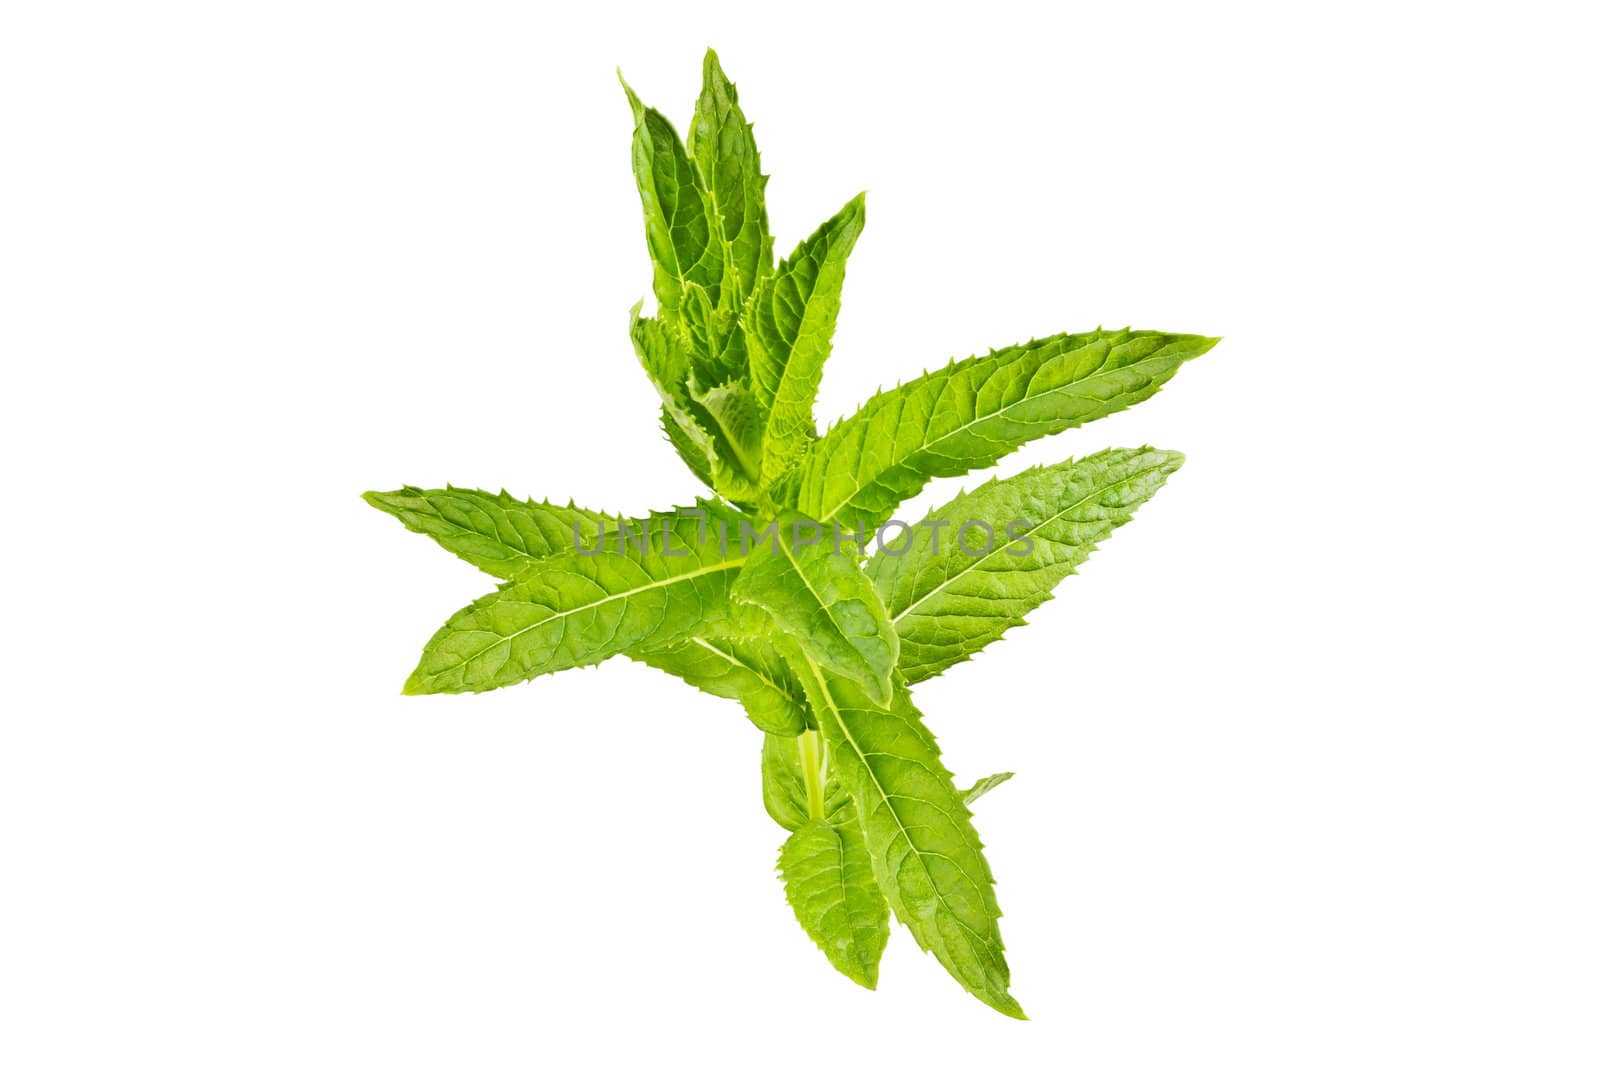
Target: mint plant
[[764, 590]]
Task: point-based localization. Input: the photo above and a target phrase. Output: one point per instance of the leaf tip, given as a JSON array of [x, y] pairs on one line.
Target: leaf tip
[[712, 67], [1165, 457], [633, 97], [1010, 1008]]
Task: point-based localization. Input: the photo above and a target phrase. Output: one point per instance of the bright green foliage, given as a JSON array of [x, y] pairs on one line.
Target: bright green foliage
[[749, 671], [794, 775], [764, 593], [792, 321], [494, 532], [677, 224], [950, 600], [570, 610], [973, 413], [737, 349], [666, 361], [919, 833], [821, 599], [724, 151], [830, 883], [825, 866]]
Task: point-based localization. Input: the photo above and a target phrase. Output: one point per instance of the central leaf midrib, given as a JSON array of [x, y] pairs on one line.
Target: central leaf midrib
[[724, 565], [762, 676]]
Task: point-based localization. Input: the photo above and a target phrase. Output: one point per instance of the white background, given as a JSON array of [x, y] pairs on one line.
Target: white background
[[1306, 756]]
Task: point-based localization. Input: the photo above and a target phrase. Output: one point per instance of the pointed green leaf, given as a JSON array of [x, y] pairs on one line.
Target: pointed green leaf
[[664, 356], [791, 333], [494, 532], [724, 150], [687, 442], [925, 852], [736, 421], [676, 221], [716, 430], [571, 610], [820, 597], [828, 878], [748, 671], [983, 785], [666, 361], [950, 600], [971, 414]]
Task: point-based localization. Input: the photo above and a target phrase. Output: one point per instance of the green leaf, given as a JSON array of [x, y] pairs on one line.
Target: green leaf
[[716, 347], [792, 320], [677, 226], [571, 610], [925, 852], [664, 357], [949, 600], [825, 865], [734, 414], [494, 532], [715, 430], [666, 361], [724, 150], [821, 598], [688, 445], [828, 878], [747, 670], [783, 788], [971, 414], [983, 785]]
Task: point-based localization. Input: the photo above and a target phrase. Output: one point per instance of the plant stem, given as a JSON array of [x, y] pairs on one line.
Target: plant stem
[[813, 767]]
